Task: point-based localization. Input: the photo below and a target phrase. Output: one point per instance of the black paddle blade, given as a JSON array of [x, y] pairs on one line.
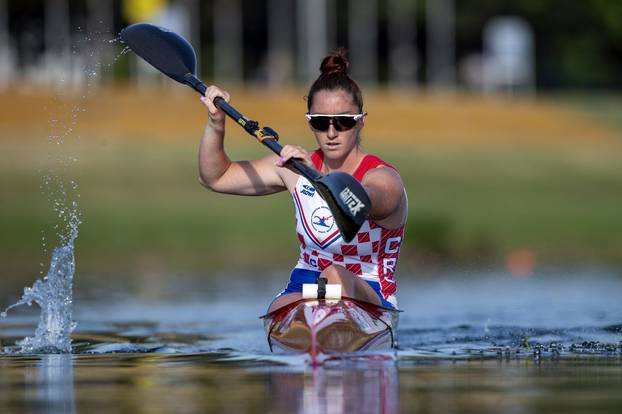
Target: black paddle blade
[[168, 52], [347, 199]]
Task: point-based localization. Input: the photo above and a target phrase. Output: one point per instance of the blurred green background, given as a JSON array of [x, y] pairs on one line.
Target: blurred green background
[[516, 172]]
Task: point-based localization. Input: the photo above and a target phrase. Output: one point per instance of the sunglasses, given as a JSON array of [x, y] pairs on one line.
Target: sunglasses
[[321, 122]]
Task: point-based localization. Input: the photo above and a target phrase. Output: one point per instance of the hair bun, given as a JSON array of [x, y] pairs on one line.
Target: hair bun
[[336, 63]]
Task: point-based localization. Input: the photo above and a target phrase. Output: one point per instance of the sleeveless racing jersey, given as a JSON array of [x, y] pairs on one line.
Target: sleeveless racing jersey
[[372, 254]]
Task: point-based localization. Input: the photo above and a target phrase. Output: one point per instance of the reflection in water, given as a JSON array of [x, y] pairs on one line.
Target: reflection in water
[[369, 387], [48, 385], [222, 382]]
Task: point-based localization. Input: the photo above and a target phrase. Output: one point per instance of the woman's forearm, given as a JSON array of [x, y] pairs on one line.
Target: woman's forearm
[[213, 160]]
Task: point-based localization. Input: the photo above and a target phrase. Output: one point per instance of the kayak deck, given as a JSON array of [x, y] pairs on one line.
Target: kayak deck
[[331, 326]]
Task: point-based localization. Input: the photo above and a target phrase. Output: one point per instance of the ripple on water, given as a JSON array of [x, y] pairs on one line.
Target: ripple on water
[[478, 324]]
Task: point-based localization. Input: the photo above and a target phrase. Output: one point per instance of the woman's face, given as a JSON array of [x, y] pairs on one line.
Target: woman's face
[[336, 144]]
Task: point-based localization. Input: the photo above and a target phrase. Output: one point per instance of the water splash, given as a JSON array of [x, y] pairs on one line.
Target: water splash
[[54, 295], [54, 292]]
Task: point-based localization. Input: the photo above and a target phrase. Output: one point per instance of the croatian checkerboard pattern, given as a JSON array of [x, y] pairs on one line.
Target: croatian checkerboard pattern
[[372, 254]]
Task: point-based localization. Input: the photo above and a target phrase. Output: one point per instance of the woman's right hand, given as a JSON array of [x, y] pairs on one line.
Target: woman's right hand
[[216, 115], [293, 152]]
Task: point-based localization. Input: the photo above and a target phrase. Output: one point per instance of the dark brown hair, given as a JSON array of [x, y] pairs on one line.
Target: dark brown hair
[[335, 76]]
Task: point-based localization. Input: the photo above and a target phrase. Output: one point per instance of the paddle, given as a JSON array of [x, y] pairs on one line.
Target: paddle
[[172, 55]]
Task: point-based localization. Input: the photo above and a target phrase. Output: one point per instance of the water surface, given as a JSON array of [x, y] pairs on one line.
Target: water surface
[[468, 343]]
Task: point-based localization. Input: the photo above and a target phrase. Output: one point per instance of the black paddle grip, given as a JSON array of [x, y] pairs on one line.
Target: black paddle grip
[[310, 173], [201, 88]]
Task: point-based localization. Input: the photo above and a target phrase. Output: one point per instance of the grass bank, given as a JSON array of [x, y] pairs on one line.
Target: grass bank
[[484, 179]]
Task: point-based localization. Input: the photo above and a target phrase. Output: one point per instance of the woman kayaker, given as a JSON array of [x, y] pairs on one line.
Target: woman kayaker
[[365, 266]]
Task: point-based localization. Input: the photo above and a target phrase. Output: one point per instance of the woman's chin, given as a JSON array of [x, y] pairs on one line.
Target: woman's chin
[[333, 151], [332, 148]]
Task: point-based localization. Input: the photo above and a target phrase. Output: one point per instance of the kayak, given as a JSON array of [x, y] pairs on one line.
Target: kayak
[[318, 326]]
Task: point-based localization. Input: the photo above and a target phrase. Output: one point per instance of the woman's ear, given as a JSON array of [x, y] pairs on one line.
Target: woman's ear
[[363, 120]]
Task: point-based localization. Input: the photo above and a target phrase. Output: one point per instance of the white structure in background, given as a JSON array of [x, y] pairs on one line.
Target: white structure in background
[[402, 44], [280, 58], [508, 62], [73, 55], [58, 61], [193, 29], [175, 17], [7, 51], [228, 41], [313, 32], [99, 32], [441, 44], [363, 40]]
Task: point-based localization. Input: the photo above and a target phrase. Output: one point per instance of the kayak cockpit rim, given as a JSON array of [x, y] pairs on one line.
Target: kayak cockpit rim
[[361, 303]]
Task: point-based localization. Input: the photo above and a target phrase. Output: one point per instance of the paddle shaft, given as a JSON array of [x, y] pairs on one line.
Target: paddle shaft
[[266, 136], [172, 55]]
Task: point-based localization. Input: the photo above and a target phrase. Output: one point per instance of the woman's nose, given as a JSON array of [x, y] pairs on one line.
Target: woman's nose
[[332, 132]]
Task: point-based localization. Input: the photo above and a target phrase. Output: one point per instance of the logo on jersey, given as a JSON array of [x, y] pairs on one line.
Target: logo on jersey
[[351, 200], [307, 190], [322, 220]]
